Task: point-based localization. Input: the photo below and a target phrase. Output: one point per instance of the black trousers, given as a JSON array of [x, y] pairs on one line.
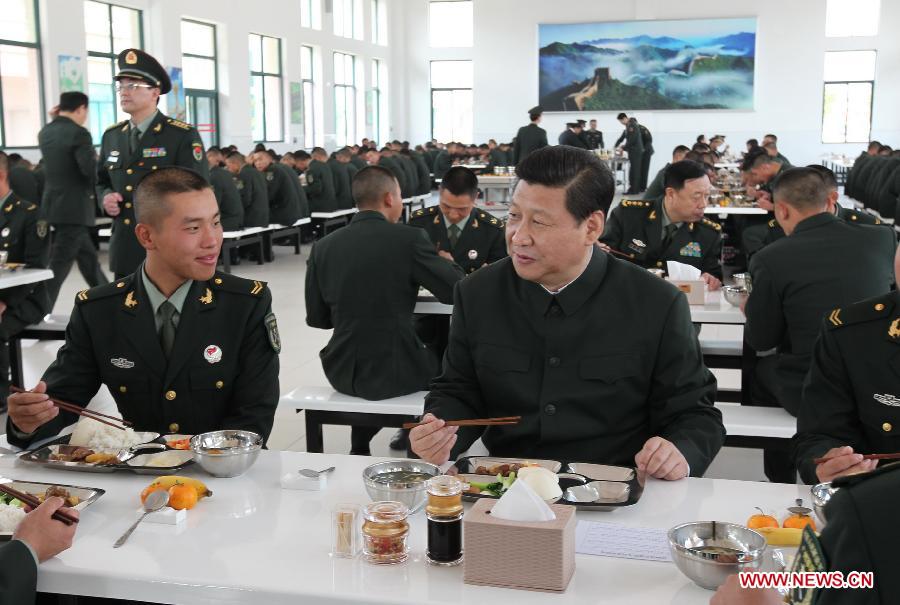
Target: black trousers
[[71, 244], [10, 325], [645, 169], [635, 169]]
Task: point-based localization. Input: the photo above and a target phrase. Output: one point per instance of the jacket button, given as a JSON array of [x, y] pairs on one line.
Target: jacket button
[[173, 428], [219, 384], [554, 362], [887, 427], [127, 221], [879, 307], [153, 167], [218, 281], [659, 263], [129, 171], [123, 389], [128, 204], [128, 187], [549, 409], [170, 395]]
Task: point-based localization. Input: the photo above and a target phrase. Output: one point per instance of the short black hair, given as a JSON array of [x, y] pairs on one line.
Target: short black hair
[[680, 172], [459, 180], [589, 184], [72, 100], [771, 136], [802, 188], [301, 155], [370, 184], [751, 143], [150, 203], [681, 149], [694, 156], [827, 175], [700, 138], [763, 158], [701, 147], [213, 149], [621, 115], [750, 158], [318, 150], [876, 145]]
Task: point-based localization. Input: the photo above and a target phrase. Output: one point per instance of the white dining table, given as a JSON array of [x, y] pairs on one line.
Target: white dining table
[[253, 542], [10, 278]]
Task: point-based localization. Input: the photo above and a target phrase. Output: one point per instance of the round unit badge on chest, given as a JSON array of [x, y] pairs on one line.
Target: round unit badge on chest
[[473, 254], [212, 354]]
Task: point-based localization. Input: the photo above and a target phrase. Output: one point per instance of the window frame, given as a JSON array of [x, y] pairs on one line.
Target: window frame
[[308, 128], [192, 94], [263, 74], [309, 12], [434, 89], [845, 82], [36, 45], [351, 124]]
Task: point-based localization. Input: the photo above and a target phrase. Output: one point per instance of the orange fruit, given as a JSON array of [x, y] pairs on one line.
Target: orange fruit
[[150, 488], [799, 522], [762, 520], [182, 496]]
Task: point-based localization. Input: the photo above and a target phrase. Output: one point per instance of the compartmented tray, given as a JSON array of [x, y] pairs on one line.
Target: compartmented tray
[[143, 459], [86, 495], [584, 485]]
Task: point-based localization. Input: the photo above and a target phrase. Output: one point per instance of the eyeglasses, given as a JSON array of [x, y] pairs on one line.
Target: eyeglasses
[[131, 87]]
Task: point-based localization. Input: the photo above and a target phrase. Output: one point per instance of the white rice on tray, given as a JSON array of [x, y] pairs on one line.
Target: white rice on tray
[[100, 437], [10, 517]]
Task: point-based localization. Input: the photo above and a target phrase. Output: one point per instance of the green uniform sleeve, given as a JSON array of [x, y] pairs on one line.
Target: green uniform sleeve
[[318, 312], [186, 157], [436, 274], [104, 182], [765, 325], [84, 154], [37, 253], [315, 185], [18, 573], [612, 233]]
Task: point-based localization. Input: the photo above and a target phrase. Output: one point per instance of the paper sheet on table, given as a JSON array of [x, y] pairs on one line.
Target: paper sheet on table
[[621, 542], [682, 272]]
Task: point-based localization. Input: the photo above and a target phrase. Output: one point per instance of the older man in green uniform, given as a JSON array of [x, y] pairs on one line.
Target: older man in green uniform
[[182, 348], [131, 149], [634, 145], [530, 137], [252, 186], [598, 356], [362, 281], [320, 183], [673, 228]]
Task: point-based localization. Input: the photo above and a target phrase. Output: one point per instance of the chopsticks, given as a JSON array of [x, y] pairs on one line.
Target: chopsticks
[[77, 409], [894, 456], [472, 422], [33, 502], [617, 253]]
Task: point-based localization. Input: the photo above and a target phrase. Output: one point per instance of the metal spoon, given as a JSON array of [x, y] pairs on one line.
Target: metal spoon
[[308, 472], [155, 501]]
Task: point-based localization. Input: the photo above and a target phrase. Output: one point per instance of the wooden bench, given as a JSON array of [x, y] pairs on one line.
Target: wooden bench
[[756, 427], [290, 232], [323, 222], [52, 328], [324, 405], [231, 240]]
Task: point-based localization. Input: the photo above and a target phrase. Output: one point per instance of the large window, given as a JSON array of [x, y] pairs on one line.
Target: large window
[[109, 29], [201, 82], [21, 98], [450, 23], [379, 22], [308, 84], [344, 99], [845, 18], [847, 105], [311, 14], [451, 101], [348, 18], [267, 114], [379, 101]]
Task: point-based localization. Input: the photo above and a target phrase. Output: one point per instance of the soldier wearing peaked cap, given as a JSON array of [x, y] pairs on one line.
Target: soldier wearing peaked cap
[[131, 149], [530, 137], [182, 348]]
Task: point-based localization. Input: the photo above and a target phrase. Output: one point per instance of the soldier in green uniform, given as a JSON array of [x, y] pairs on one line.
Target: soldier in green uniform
[[571, 136], [252, 186], [443, 161], [23, 180], [757, 231], [284, 195], [341, 168], [409, 169], [593, 136], [657, 187], [399, 171], [674, 227], [131, 149], [634, 145], [320, 183], [231, 208], [530, 137], [496, 156], [182, 348], [850, 215], [797, 281], [647, 140], [423, 175], [598, 356], [363, 281]]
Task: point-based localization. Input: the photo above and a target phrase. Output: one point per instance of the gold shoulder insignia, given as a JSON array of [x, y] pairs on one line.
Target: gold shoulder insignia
[[652, 215], [158, 127], [32, 207], [877, 309], [257, 288], [712, 224], [237, 285], [117, 125], [179, 124], [207, 298], [130, 301], [877, 221], [772, 224], [104, 291], [835, 317], [8, 208], [437, 220], [82, 295], [419, 212], [894, 330]]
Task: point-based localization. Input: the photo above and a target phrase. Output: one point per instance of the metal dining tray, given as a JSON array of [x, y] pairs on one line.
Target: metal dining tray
[[132, 459], [86, 495], [586, 486]]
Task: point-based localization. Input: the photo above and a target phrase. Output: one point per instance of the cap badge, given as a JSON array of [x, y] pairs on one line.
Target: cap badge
[[131, 57]]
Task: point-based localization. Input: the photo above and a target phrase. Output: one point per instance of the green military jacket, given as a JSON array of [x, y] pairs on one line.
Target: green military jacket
[[852, 393], [423, 174], [850, 187], [442, 163], [412, 175], [18, 574], [251, 184], [635, 228], [24, 235], [567, 137], [399, 173], [167, 142], [529, 138], [222, 373], [657, 187], [799, 279], [634, 141], [25, 183], [284, 199], [70, 167], [231, 209], [363, 281], [481, 241], [887, 197], [320, 190], [595, 370], [497, 158], [342, 186]]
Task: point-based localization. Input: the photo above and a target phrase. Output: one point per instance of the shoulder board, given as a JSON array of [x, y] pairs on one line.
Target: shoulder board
[[179, 124], [879, 308], [636, 204], [425, 211], [117, 125], [31, 207], [712, 224], [238, 285], [772, 224], [488, 219], [119, 286]]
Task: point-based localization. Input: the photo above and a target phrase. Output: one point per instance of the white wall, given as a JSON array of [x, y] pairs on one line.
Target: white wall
[[788, 93]]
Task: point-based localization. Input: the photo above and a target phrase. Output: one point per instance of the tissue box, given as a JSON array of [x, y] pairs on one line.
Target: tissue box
[[695, 290], [519, 554]]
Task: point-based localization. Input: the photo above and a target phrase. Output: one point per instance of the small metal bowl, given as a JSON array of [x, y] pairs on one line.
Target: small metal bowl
[[227, 453], [410, 493], [658, 272], [821, 495], [742, 280], [709, 551], [735, 295]]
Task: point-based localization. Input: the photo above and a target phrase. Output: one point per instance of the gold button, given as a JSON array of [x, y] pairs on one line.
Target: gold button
[[121, 284], [129, 171], [123, 389], [127, 221], [879, 307], [153, 168], [887, 427], [659, 263], [852, 217], [128, 204], [219, 384], [173, 428], [128, 187], [218, 281], [170, 395]]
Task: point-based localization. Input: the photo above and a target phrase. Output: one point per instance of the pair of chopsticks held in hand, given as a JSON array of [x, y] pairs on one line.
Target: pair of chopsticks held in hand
[[894, 456], [472, 422], [112, 421], [32, 501]]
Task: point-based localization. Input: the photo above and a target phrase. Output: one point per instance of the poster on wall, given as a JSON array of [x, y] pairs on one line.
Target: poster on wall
[[296, 103], [71, 73], [629, 65], [175, 101]]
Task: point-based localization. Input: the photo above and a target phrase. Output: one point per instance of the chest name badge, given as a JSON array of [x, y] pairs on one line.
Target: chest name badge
[[692, 249], [154, 152], [473, 254], [212, 354], [638, 246], [121, 362], [886, 399]]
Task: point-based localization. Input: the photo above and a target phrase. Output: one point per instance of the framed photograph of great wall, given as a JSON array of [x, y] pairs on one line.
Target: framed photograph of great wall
[[683, 64]]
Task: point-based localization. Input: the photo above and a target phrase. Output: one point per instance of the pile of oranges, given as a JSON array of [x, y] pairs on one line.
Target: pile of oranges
[[798, 519]]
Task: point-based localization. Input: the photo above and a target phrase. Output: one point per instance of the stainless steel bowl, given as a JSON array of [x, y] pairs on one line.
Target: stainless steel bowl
[[736, 296], [227, 453], [709, 551], [821, 495], [410, 493], [743, 280], [658, 272]]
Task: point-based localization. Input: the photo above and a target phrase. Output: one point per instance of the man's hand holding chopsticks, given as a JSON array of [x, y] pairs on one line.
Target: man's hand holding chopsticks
[[30, 411], [432, 440]]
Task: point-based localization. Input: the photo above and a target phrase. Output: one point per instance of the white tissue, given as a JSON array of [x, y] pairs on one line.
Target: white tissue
[[166, 516], [521, 503], [682, 272]]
